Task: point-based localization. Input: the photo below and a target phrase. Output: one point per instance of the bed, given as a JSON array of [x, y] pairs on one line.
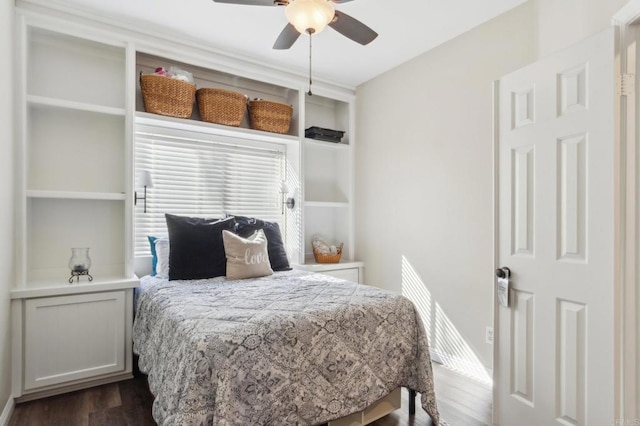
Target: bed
[[290, 348]]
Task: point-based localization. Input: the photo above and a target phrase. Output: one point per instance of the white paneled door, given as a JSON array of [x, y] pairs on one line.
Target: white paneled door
[[555, 355]]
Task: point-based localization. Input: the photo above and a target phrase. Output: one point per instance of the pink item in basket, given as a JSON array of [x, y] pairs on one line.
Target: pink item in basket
[[162, 71]]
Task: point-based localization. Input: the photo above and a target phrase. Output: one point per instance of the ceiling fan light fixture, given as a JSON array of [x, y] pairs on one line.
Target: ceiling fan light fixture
[[309, 16]]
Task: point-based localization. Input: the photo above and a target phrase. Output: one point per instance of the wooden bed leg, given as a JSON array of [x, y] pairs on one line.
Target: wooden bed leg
[[412, 402]]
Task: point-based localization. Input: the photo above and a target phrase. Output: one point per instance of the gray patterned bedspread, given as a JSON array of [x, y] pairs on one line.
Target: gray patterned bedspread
[[292, 348]]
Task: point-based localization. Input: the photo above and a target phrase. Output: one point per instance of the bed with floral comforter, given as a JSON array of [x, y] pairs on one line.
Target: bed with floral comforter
[[292, 348]]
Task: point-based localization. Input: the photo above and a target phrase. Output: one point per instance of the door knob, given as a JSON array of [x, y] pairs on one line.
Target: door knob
[[503, 272]]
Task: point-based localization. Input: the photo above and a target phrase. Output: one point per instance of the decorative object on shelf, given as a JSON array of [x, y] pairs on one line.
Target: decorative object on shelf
[[270, 116], [290, 202], [221, 106], [79, 263], [144, 180], [327, 135], [177, 73], [324, 252], [166, 95]]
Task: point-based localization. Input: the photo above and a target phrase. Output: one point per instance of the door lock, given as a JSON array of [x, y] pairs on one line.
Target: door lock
[[503, 275], [503, 272]]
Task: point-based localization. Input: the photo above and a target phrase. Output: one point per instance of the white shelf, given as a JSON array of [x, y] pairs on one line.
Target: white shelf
[[311, 265], [183, 124], [54, 287], [73, 195], [327, 204], [73, 105], [326, 145], [345, 269]]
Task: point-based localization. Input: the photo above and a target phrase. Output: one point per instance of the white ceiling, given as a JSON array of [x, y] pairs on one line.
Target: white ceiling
[[406, 29]]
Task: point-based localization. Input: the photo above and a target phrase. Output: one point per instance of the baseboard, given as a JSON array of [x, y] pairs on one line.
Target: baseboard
[[88, 383], [6, 412]]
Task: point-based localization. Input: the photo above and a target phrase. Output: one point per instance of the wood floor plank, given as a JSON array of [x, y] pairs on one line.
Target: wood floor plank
[[462, 402], [60, 410], [461, 398], [136, 393], [401, 417], [100, 398], [121, 416]]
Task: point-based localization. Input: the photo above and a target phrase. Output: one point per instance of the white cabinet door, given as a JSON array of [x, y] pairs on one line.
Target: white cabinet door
[[70, 338]]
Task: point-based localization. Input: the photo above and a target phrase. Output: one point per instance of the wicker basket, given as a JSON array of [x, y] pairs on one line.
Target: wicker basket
[[167, 96], [328, 258], [270, 116], [221, 106]]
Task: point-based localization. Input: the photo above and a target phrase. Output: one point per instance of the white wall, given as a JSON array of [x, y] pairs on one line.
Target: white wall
[[562, 23], [6, 195], [424, 174], [424, 166]]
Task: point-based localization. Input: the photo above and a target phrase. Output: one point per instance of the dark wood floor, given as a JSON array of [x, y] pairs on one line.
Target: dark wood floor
[[461, 401]]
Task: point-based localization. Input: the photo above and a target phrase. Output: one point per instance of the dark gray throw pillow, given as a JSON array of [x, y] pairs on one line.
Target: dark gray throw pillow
[[196, 247], [246, 226]]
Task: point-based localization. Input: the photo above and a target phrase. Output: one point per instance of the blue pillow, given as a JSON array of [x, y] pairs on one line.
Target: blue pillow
[[154, 258]]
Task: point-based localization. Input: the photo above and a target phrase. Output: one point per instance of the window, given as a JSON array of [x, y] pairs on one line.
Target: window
[[197, 174]]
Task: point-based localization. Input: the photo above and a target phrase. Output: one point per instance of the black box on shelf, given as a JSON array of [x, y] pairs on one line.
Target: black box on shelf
[[327, 135]]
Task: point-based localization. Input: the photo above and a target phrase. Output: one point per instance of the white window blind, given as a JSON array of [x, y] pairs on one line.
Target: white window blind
[[205, 176]]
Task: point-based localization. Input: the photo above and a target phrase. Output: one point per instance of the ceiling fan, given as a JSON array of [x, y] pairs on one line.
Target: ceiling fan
[[311, 16]]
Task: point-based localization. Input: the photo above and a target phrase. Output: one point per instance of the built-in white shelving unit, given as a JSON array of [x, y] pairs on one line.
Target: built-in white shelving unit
[[77, 106], [328, 176], [75, 190], [76, 156], [207, 76], [320, 172]]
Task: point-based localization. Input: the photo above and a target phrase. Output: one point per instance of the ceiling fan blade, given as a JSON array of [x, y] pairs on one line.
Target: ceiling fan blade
[[352, 28], [287, 37], [249, 2]]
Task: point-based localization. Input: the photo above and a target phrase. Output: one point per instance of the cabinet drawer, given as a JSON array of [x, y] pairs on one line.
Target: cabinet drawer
[[73, 337], [350, 274]]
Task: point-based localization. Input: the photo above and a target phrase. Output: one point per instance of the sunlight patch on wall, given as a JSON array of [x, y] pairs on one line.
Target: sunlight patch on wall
[[416, 291], [446, 343]]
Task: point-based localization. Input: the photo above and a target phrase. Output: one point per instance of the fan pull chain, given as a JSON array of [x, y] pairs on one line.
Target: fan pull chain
[[310, 81]]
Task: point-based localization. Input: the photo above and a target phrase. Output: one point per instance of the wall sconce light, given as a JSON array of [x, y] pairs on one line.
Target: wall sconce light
[[290, 202], [144, 180]]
